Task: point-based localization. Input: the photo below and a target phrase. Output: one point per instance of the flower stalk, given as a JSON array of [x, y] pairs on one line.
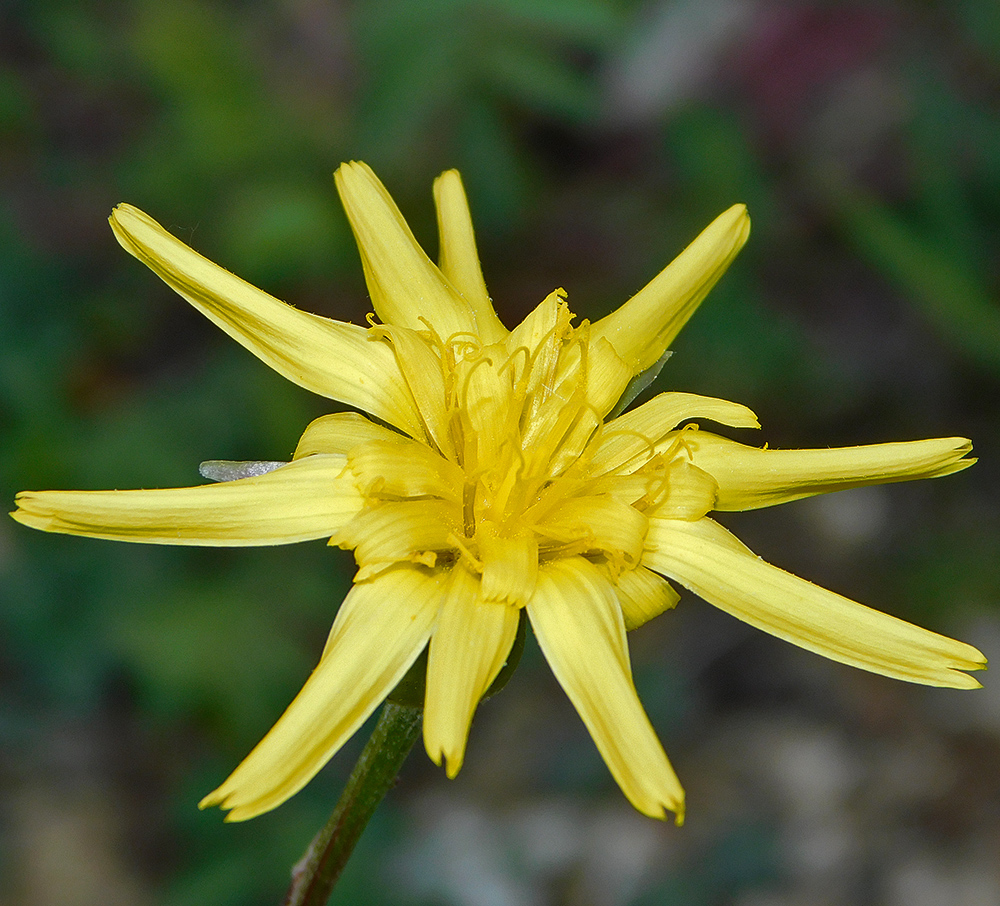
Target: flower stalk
[[317, 872]]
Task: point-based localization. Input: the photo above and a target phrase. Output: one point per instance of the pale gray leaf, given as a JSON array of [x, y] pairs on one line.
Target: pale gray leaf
[[231, 470]]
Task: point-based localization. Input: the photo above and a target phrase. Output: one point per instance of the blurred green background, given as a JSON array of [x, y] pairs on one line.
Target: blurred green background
[[595, 137]]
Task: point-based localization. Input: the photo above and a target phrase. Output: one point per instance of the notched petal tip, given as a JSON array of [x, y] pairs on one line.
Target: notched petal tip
[[234, 813], [124, 215], [963, 657], [29, 513], [452, 763], [961, 458], [212, 799], [449, 756], [740, 216]]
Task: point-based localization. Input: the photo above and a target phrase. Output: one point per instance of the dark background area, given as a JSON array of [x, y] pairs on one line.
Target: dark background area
[[595, 138]]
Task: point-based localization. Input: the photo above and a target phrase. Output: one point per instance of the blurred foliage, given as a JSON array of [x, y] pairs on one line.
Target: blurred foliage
[[865, 139]]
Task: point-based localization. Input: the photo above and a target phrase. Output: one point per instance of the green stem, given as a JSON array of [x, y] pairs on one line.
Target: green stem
[[316, 873]]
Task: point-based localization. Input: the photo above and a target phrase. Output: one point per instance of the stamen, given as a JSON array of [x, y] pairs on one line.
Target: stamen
[[680, 441], [479, 360], [469, 509], [510, 361], [658, 469]]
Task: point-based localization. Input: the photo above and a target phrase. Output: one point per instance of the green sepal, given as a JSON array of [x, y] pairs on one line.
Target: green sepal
[[639, 383]]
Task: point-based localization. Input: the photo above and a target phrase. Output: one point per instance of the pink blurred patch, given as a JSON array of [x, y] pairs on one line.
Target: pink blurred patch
[[791, 53]]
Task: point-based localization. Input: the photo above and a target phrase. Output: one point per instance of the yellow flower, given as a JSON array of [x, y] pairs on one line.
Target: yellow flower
[[502, 484]]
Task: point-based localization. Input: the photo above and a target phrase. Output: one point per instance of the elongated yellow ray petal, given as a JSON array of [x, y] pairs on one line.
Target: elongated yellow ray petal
[[470, 644], [579, 627], [458, 258], [644, 327], [331, 358], [380, 629], [405, 285], [310, 498], [750, 477], [711, 562]]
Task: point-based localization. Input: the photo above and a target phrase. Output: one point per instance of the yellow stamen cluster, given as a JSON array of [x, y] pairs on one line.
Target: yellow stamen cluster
[[502, 479]]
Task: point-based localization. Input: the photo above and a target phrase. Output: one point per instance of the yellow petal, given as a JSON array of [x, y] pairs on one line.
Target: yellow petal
[[310, 498], [643, 595], [422, 369], [404, 468], [675, 490], [536, 344], [470, 644], [627, 442], [708, 560], [550, 368], [608, 376], [404, 283], [459, 260], [340, 432], [331, 358], [643, 328], [559, 432], [629, 488], [749, 477], [690, 493], [390, 532], [380, 629], [510, 568], [579, 627], [599, 523], [488, 418]]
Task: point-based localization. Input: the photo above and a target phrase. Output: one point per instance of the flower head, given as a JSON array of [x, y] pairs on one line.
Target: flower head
[[493, 480]]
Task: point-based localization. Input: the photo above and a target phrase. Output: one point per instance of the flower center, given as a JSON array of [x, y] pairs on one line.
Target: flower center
[[505, 461]]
